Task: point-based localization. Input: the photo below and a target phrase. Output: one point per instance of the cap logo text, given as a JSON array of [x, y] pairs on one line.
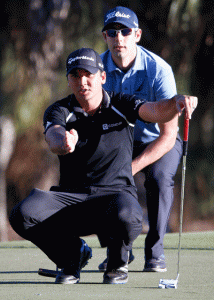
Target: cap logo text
[[71, 60], [116, 14]]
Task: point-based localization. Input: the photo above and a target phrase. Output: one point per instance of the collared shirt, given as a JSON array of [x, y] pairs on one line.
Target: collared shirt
[[149, 78], [103, 154]]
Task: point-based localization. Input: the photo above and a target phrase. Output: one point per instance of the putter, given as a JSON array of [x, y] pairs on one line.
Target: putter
[[49, 273], [173, 283]]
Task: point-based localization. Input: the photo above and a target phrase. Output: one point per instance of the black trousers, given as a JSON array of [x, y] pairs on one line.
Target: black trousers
[[55, 221]]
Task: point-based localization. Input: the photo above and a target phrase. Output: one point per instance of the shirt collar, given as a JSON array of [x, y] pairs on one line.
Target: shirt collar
[[111, 66], [77, 108], [139, 60], [106, 100]]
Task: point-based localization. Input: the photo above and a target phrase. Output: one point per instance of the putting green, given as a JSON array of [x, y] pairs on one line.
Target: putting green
[[20, 262]]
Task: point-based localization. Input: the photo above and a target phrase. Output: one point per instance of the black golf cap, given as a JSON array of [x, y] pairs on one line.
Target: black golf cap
[[84, 58]]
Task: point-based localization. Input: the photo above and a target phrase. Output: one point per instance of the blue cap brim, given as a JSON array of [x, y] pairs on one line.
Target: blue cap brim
[[125, 23]]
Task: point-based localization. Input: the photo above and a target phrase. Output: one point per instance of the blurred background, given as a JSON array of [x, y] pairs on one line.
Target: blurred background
[[36, 36]]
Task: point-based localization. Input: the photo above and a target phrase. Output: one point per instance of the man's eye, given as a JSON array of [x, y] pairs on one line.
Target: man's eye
[[73, 75], [77, 75]]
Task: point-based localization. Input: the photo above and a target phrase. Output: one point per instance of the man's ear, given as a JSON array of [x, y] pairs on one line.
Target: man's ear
[[103, 76], [104, 36], [138, 35]]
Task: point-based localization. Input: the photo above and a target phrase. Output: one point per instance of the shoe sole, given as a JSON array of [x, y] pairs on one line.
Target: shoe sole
[[157, 270], [111, 281], [64, 281]]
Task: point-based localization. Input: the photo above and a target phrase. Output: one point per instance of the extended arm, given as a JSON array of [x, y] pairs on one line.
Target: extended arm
[[159, 147], [165, 110], [60, 141]]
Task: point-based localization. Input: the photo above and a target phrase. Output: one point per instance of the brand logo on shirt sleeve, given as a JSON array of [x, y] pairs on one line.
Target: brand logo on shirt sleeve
[[137, 103]]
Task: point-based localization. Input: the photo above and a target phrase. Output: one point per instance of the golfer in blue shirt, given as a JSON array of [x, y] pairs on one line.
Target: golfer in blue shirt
[[132, 69]]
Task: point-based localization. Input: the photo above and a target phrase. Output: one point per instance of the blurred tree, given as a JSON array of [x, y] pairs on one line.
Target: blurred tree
[[7, 137], [190, 30]]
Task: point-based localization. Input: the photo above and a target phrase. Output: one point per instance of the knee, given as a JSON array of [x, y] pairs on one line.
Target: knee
[[16, 220], [131, 215], [20, 218], [159, 178], [131, 222]]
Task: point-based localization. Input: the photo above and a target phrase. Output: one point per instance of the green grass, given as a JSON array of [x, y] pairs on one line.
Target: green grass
[[20, 262]]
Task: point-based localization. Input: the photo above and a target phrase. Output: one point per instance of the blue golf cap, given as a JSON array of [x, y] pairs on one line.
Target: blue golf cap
[[122, 15], [84, 58]]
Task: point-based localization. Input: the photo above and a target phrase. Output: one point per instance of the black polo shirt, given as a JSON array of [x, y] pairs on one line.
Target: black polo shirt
[[103, 154]]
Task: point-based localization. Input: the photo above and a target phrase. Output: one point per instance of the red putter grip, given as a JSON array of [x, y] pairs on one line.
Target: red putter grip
[[186, 130], [186, 135]]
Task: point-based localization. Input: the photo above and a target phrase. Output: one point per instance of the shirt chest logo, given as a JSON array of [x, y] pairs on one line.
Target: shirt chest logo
[[108, 126]]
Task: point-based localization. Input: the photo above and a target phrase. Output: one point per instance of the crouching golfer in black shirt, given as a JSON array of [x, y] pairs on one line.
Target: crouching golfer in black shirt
[[92, 133]]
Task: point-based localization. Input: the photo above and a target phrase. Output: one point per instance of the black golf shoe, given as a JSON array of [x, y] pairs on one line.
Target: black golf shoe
[[69, 275], [118, 276], [66, 279]]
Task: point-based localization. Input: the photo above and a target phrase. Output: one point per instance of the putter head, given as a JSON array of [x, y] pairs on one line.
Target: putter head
[[168, 284], [48, 273]]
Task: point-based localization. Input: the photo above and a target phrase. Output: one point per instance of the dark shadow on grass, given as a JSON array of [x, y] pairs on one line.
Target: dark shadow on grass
[[43, 282], [80, 283], [26, 282], [47, 282], [18, 272], [15, 282], [83, 271], [97, 271]]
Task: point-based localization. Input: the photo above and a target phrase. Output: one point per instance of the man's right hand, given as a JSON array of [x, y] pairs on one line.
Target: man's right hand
[[70, 141], [60, 141]]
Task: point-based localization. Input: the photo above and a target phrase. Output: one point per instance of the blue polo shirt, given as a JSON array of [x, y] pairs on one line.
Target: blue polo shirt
[[150, 78]]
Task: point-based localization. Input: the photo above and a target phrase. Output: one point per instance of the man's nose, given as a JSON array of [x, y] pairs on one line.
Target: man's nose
[[118, 35], [82, 79]]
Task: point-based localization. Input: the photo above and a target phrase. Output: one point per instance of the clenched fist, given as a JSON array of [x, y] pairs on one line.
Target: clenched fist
[[70, 140]]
